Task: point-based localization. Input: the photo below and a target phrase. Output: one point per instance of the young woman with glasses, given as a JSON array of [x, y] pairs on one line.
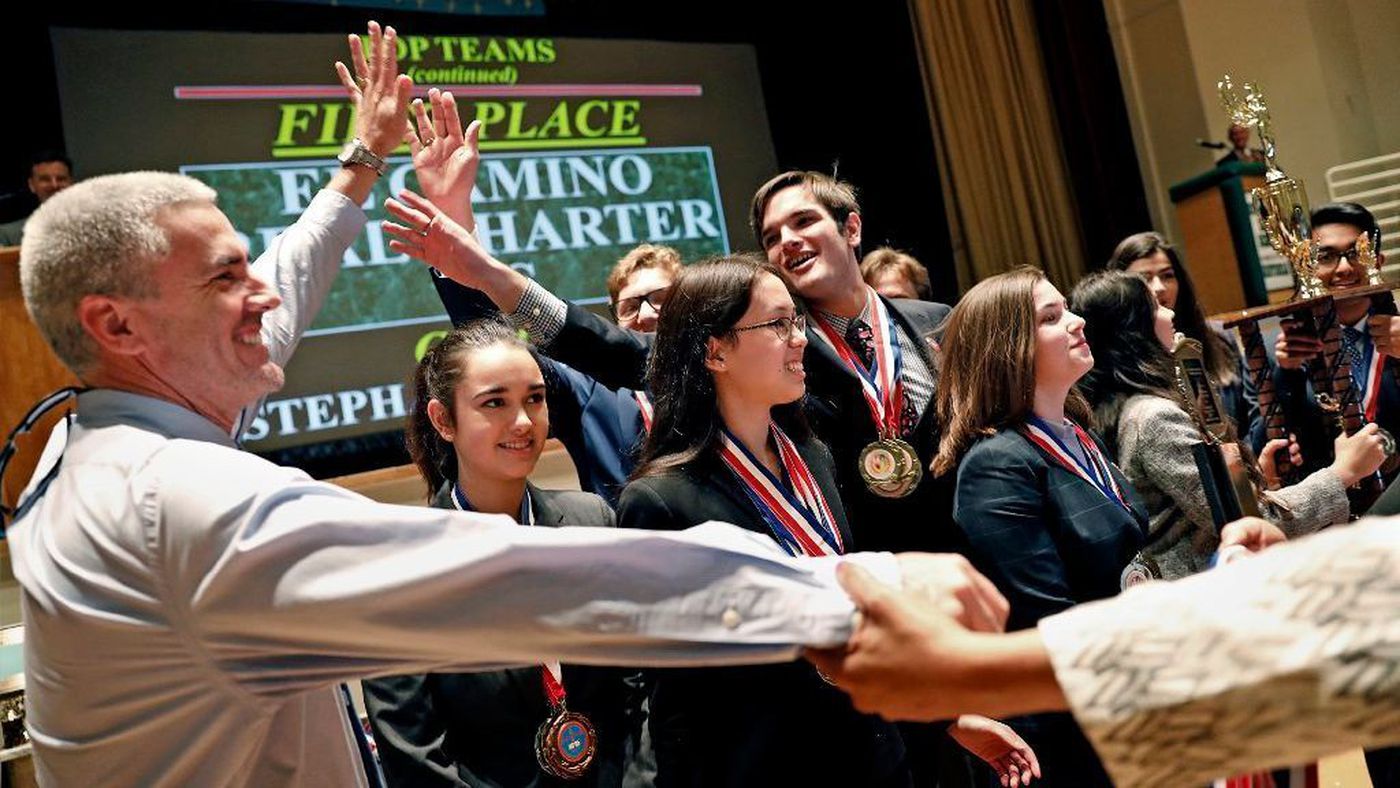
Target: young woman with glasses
[[729, 443]]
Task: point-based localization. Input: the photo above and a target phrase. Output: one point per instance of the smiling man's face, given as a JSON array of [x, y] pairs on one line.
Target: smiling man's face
[[813, 251]]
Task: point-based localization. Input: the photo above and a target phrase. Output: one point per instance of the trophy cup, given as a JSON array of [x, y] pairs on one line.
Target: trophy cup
[[1282, 205]]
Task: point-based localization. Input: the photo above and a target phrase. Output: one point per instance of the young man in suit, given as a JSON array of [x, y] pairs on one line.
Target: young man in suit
[[1370, 340]]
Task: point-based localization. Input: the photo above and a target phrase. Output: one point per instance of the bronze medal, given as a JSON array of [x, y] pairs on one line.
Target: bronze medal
[[1138, 571], [565, 744]]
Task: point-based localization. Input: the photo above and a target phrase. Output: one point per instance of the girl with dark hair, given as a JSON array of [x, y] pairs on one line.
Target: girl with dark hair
[[1047, 517], [728, 443], [1132, 388], [476, 431], [1152, 257]]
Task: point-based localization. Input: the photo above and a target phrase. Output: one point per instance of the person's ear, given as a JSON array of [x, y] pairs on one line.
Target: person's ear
[[108, 320], [714, 355], [441, 419], [853, 230]]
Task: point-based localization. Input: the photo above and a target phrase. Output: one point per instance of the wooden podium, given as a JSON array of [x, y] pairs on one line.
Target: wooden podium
[[31, 370], [1226, 251]]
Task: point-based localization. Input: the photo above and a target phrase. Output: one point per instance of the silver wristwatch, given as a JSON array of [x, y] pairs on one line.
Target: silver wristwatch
[[357, 152]]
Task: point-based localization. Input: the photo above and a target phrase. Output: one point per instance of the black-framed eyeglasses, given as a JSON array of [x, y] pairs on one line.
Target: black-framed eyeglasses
[[627, 308], [1331, 258], [783, 327]]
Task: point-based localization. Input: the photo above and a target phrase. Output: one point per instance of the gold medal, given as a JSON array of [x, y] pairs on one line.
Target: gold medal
[[890, 467], [565, 744]]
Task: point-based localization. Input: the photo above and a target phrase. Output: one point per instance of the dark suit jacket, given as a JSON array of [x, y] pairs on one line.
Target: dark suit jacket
[[839, 416], [1305, 419], [1049, 540], [478, 729], [775, 725]]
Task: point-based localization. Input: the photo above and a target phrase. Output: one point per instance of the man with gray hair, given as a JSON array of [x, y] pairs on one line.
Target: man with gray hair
[[190, 608]]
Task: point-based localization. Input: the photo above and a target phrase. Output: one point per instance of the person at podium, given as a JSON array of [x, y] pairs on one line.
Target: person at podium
[[1239, 147]]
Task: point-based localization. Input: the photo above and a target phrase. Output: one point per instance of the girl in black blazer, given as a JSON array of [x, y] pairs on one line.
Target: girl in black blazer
[[477, 430], [728, 444], [1048, 518]]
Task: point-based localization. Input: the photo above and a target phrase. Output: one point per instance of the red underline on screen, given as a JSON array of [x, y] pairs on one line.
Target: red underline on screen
[[316, 151], [262, 92]]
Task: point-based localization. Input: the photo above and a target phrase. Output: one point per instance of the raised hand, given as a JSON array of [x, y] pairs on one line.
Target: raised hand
[[445, 157], [379, 91]]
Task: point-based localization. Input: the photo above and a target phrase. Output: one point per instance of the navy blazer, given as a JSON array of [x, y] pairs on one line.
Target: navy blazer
[[601, 428], [1049, 540], [757, 725], [478, 729], [836, 407]]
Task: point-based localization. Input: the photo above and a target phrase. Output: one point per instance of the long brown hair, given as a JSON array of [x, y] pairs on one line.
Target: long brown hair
[[1222, 358], [707, 300], [986, 379]]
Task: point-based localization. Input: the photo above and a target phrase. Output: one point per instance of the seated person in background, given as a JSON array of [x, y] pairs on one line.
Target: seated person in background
[[1132, 388], [476, 431], [730, 443], [1049, 519], [895, 274], [1153, 258], [50, 172], [1370, 341], [600, 427]]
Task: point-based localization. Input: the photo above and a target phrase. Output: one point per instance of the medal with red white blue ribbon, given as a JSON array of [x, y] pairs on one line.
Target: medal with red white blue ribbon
[[798, 516], [890, 466]]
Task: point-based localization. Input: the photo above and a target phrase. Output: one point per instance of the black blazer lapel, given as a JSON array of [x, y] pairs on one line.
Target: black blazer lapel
[[546, 512]]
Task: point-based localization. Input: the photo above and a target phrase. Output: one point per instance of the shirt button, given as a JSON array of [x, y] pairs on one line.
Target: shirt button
[[731, 619], [537, 311]]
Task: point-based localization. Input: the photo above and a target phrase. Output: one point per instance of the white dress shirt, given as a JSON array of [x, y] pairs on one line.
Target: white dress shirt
[[189, 607]]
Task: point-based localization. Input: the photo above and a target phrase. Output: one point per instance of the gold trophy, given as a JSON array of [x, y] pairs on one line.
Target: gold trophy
[[1282, 205], [1281, 202]]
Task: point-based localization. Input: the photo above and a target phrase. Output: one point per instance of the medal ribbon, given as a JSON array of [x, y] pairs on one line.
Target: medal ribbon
[[1370, 383], [1095, 473], [550, 671], [644, 404], [884, 393], [553, 678], [799, 517]]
